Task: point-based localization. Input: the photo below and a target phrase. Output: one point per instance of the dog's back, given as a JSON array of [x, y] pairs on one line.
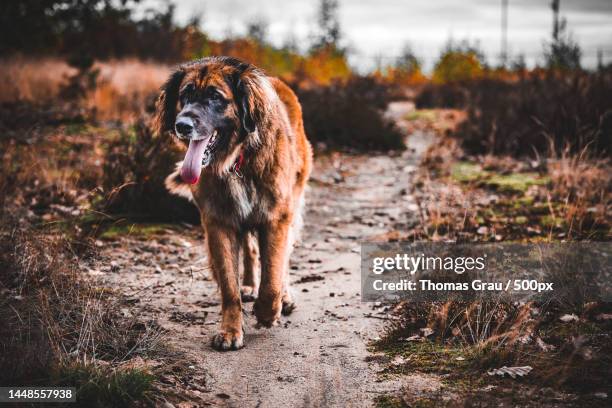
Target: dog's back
[[294, 112]]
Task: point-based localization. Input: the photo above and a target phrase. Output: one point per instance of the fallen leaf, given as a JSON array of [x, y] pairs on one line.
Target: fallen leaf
[[511, 371], [545, 347], [427, 331], [416, 337], [568, 318]]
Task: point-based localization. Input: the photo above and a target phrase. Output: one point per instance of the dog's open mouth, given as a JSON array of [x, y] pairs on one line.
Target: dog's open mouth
[[199, 154]]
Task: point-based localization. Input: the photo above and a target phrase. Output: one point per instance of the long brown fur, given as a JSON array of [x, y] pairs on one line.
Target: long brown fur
[[264, 202]]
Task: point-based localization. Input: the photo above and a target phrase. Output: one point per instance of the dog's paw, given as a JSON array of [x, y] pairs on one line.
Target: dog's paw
[[268, 315], [288, 307], [224, 341], [248, 294], [267, 323], [289, 304]]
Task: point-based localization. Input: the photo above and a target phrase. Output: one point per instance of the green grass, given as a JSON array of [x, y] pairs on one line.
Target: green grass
[[428, 115], [99, 387]]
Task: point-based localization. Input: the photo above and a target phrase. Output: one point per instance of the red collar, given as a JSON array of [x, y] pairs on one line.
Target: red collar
[[238, 164]]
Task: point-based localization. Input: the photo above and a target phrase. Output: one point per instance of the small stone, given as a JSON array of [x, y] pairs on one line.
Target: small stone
[[482, 230]]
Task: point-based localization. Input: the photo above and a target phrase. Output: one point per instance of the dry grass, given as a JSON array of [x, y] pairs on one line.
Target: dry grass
[[583, 186], [49, 179], [122, 91], [32, 79], [501, 198], [125, 88], [54, 314], [480, 323], [470, 338]]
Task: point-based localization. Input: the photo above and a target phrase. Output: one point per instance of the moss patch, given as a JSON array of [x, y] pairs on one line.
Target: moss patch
[[137, 230], [465, 172], [426, 356], [519, 182], [388, 401], [468, 172]]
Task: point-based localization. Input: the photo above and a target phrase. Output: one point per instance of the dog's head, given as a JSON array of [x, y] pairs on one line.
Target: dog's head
[[215, 106]]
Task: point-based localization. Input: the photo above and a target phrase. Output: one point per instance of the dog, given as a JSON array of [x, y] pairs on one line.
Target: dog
[[246, 167]]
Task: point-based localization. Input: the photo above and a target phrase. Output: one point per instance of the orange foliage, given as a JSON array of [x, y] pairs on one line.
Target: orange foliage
[[326, 65], [320, 68], [401, 76]]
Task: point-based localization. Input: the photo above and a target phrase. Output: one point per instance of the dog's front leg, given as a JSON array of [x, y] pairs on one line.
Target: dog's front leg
[[273, 243], [223, 248], [250, 249]]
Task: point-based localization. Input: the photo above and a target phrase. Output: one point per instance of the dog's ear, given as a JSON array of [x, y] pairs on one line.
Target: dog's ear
[[165, 107], [253, 98]]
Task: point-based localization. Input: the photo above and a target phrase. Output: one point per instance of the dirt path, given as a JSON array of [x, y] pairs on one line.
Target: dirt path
[[318, 357]]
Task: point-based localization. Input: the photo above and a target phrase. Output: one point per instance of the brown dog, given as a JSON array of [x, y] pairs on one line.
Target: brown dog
[[246, 167]]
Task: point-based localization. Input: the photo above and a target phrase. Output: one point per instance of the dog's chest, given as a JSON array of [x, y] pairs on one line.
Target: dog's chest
[[236, 200], [243, 197]]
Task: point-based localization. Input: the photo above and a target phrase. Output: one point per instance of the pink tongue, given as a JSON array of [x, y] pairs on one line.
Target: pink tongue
[[192, 165]]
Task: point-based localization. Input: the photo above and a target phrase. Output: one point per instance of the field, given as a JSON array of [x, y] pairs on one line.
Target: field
[[105, 283], [81, 175]]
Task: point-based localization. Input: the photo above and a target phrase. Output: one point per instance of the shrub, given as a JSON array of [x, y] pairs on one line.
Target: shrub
[[135, 167], [350, 114], [452, 96], [549, 113], [459, 62]]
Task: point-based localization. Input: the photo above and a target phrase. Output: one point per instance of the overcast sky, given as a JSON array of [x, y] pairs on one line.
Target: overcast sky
[[378, 29]]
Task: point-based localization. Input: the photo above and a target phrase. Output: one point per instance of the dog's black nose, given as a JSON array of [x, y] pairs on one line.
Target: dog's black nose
[[183, 128]]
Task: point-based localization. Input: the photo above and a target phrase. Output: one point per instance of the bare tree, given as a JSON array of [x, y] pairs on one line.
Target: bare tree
[[257, 29], [329, 33]]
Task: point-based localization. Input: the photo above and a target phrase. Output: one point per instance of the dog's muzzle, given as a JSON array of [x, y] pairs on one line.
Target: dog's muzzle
[[184, 128]]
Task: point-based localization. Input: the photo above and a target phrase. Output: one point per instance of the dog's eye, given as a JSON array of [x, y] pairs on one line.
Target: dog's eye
[[213, 95], [186, 93]]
